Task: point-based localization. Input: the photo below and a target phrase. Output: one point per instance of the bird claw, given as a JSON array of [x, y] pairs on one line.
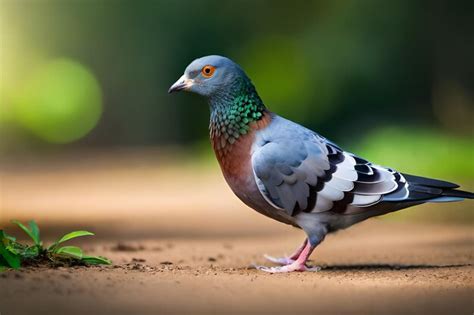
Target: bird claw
[[279, 260], [287, 268]]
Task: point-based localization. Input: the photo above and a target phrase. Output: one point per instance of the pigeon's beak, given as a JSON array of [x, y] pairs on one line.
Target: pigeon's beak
[[183, 83]]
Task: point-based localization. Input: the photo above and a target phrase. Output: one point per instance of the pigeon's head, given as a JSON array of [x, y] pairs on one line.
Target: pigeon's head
[[210, 75]]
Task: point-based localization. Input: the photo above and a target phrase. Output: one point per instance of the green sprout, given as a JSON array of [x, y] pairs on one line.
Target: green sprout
[[13, 253]]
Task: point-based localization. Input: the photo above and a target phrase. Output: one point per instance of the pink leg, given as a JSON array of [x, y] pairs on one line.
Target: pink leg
[[287, 260], [298, 265]]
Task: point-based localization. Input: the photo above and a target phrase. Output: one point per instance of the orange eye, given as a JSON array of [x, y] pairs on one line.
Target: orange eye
[[208, 71]]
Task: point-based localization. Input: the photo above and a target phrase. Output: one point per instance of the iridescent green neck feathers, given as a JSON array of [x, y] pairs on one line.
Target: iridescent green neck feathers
[[232, 111]]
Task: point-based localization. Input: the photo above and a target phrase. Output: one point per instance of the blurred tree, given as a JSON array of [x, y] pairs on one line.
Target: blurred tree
[[363, 64]]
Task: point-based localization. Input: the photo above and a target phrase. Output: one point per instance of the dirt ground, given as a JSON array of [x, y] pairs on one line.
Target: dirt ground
[[375, 267], [189, 250]]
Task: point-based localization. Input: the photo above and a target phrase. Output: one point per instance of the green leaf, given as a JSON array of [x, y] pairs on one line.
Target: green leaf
[[69, 236], [35, 231], [12, 259], [3, 268], [30, 252], [74, 234], [5, 236], [96, 260], [26, 230], [71, 251], [3, 262]]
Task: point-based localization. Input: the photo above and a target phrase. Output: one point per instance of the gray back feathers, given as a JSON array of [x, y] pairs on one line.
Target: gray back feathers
[[298, 170]]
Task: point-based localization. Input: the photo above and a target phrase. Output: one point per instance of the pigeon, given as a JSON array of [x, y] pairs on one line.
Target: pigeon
[[292, 174]]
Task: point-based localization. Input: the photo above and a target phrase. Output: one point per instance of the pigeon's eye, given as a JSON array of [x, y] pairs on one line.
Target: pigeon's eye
[[208, 71]]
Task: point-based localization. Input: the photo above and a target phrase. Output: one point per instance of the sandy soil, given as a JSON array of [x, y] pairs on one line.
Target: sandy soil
[[375, 267], [189, 250]]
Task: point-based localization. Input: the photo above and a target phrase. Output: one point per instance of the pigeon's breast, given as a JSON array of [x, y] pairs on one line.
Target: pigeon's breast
[[236, 165], [234, 158]]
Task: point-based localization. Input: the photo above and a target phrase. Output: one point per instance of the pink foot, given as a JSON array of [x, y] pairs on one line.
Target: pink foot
[[289, 259], [279, 260], [295, 266], [290, 264]]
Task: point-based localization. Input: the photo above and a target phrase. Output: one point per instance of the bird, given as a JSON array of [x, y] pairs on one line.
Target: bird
[[292, 174]]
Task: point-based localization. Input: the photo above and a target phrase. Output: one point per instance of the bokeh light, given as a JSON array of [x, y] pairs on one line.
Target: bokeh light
[[60, 102]]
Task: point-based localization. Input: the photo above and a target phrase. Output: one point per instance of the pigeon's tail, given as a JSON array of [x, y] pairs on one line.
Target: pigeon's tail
[[433, 190]]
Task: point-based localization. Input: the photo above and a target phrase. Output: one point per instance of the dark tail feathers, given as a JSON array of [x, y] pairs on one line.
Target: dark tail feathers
[[422, 188], [458, 193]]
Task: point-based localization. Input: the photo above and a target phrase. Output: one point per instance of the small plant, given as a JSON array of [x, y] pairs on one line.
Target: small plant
[[13, 254]]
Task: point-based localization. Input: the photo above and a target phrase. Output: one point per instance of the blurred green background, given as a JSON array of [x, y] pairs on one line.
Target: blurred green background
[[391, 81]]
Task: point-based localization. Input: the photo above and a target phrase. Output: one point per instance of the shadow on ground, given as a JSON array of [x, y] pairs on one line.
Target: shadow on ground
[[375, 267]]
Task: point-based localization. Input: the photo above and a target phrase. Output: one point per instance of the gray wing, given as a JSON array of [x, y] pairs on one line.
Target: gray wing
[[309, 173]]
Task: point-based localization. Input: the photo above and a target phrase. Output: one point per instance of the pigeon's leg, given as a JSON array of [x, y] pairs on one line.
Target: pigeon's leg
[[316, 233], [298, 265], [287, 260]]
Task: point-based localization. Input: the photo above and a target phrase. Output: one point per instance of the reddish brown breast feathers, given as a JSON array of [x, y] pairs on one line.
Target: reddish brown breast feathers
[[234, 158]]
